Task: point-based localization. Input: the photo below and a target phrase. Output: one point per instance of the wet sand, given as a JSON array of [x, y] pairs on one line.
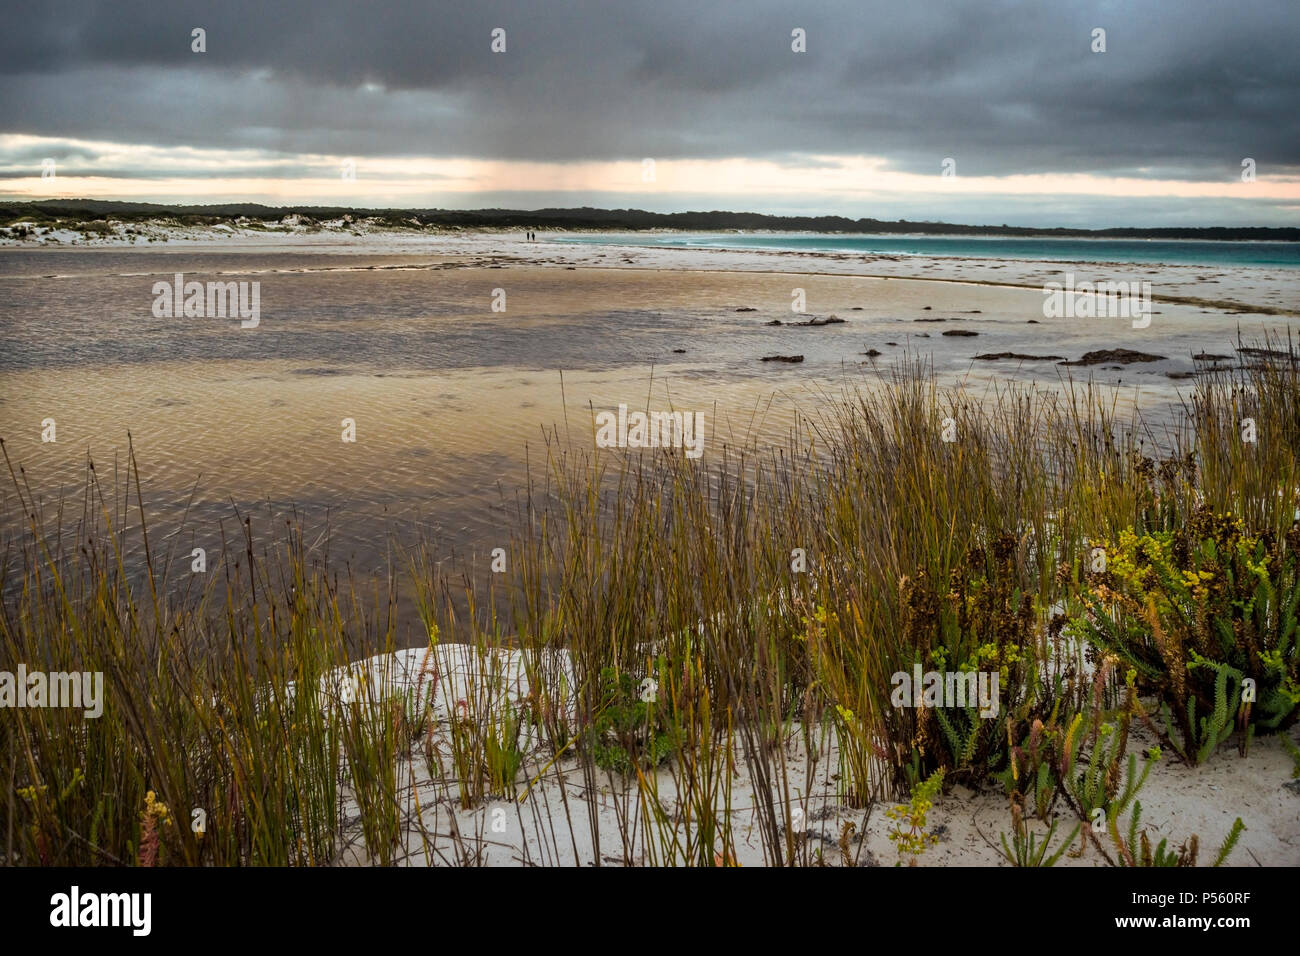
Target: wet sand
[[452, 400]]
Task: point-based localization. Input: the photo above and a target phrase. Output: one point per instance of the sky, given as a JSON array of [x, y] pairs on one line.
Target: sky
[[978, 112]]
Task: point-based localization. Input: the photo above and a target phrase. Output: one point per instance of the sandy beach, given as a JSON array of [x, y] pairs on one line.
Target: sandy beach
[[454, 401], [398, 332]]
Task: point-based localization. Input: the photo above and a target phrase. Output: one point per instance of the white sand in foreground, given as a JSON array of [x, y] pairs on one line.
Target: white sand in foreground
[[552, 823]]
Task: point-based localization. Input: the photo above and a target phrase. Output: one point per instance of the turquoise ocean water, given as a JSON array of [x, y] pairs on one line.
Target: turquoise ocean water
[[1171, 252]]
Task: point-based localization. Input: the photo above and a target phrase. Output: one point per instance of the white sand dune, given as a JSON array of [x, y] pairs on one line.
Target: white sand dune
[[562, 818]]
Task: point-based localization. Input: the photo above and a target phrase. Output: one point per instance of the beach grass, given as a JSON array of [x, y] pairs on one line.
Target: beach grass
[[679, 628]]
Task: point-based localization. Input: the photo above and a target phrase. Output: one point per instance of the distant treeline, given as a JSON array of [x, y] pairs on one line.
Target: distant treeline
[[587, 217]]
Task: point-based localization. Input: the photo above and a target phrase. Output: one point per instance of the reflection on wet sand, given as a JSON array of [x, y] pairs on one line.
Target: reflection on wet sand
[[451, 401]]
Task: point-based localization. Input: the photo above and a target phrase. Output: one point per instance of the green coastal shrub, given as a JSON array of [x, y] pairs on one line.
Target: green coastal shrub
[[1206, 614], [627, 731], [980, 622]]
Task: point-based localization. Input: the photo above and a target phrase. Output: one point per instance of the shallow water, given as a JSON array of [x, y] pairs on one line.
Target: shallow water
[[1173, 252], [451, 400]]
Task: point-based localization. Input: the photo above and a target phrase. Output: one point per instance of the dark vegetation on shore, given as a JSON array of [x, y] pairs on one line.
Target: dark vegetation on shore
[[1110, 576], [630, 220]]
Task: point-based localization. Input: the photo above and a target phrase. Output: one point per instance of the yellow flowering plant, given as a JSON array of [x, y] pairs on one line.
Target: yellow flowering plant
[[1206, 614], [909, 834]]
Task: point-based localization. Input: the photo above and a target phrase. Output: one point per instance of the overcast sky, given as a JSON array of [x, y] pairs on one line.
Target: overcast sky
[[1041, 129]]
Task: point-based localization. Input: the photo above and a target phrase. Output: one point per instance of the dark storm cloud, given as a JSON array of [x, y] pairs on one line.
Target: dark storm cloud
[[271, 171], [1190, 86]]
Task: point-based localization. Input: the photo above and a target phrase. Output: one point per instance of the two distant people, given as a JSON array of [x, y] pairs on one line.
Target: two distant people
[[530, 236]]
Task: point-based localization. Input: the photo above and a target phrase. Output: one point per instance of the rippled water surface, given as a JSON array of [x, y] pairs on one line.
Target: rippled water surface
[[450, 398]]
